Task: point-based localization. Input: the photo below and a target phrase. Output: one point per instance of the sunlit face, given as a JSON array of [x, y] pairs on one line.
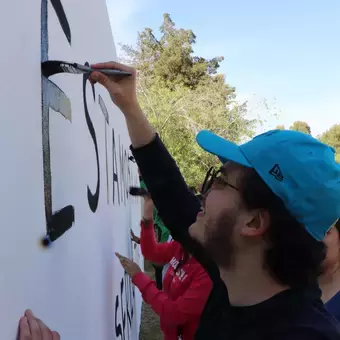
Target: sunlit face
[[332, 241], [218, 226]]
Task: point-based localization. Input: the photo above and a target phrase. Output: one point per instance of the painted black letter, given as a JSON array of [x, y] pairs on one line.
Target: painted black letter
[[115, 169], [92, 198], [53, 97], [107, 122]]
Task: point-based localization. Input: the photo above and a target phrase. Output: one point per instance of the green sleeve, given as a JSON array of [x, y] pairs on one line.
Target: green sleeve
[[164, 230], [142, 184]]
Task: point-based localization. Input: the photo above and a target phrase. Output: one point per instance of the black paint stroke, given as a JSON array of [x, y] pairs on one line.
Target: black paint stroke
[[118, 326], [104, 109], [121, 182], [58, 7], [44, 31], [122, 176], [58, 101], [58, 225], [115, 170], [124, 308], [124, 163], [107, 122], [130, 300], [127, 172], [52, 97], [93, 199]]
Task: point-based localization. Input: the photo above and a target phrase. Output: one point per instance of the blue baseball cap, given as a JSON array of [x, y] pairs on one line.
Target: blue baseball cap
[[298, 168]]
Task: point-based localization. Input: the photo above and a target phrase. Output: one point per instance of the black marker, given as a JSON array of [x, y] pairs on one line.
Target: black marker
[[135, 191], [52, 67]]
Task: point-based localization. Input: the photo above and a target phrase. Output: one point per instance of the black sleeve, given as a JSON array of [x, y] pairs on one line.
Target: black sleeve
[[303, 334], [176, 205]]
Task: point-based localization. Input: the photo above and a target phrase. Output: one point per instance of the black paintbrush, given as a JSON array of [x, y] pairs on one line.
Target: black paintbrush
[[52, 67]]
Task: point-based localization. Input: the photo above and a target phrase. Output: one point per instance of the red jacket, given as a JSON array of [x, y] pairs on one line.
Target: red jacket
[[185, 290]]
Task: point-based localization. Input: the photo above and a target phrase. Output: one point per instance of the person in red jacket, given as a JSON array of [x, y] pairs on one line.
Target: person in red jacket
[[186, 285]]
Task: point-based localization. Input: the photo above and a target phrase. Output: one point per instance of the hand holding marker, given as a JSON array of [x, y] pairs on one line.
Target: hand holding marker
[[52, 67], [62, 220], [136, 191]]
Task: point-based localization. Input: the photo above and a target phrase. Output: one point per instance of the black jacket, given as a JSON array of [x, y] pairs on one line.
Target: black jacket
[[295, 314]]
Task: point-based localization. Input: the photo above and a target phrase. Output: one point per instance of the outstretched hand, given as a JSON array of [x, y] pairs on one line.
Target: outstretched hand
[[134, 237], [130, 267], [32, 328]]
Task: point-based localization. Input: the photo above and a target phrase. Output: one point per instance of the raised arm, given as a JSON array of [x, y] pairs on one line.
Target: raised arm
[[152, 250], [176, 205]]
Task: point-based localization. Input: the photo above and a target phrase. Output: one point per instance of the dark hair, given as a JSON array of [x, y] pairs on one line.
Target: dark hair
[[337, 225], [293, 256]]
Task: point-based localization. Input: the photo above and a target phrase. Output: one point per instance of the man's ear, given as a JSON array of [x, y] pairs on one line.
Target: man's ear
[[256, 223]]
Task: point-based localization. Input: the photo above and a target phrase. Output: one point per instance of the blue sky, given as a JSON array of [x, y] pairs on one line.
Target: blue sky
[[284, 52]]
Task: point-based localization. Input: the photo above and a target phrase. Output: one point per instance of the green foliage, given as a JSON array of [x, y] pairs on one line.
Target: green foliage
[[301, 127], [169, 60], [182, 94], [332, 138], [180, 114], [280, 127]]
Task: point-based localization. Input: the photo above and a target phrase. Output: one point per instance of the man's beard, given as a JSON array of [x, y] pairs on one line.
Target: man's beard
[[218, 239]]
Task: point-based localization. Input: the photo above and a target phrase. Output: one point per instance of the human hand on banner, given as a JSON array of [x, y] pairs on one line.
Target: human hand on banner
[[148, 208], [31, 328], [121, 89], [134, 238], [130, 267]]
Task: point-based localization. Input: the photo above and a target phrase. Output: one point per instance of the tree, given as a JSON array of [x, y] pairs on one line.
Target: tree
[[169, 60], [301, 127], [332, 138], [280, 127], [182, 94], [180, 114]]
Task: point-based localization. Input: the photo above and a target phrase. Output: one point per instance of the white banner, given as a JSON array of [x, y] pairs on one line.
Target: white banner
[[64, 163]]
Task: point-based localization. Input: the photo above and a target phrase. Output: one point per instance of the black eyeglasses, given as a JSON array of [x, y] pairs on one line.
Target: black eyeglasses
[[216, 177]]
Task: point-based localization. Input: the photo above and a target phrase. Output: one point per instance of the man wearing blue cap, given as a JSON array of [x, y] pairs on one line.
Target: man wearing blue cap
[[329, 281], [259, 235]]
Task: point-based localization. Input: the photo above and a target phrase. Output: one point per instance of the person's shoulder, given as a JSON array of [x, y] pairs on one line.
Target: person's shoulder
[[307, 333], [300, 335], [198, 269], [320, 320], [315, 324], [308, 319], [333, 306], [177, 249]]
